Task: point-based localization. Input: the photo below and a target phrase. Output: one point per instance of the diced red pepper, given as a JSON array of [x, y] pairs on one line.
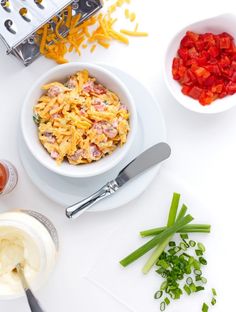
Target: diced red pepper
[[206, 66], [195, 92], [225, 43]]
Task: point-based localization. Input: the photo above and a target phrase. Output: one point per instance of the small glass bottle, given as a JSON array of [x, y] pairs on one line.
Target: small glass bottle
[[8, 177]]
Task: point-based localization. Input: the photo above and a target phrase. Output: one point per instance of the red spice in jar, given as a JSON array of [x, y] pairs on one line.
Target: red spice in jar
[[8, 177], [206, 66]]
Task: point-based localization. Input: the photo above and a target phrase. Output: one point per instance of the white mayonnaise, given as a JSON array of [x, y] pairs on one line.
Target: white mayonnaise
[[29, 238]]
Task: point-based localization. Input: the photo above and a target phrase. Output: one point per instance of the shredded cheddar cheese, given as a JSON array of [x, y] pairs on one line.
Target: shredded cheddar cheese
[[96, 30], [132, 17], [126, 13], [134, 33]]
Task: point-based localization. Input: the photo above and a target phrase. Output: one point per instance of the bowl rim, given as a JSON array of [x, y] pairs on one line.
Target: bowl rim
[[199, 109], [113, 161]]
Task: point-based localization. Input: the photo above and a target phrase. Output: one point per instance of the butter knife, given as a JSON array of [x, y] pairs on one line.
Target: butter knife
[[152, 156]]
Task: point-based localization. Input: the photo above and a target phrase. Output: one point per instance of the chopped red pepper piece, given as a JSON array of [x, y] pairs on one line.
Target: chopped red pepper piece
[[206, 66]]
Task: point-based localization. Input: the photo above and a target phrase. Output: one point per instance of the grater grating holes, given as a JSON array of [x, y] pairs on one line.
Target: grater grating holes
[[10, 26], [25, 14], [6, 5], [39, 4]]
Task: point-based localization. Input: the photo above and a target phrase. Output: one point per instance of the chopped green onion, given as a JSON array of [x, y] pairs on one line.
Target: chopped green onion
[[202, 261], [192, 243], [162, 306], [199, 288], [213, 301], [187, 289], [164, 285], [204, 280], [183, 246], [172, 244], [198, 252], [205, 307], [193, 287], [158, 294], [163, 264], [201, 247], [189, 281], [214, 292], [197, 272], [198, 278], [196, 265], [188, 270], [184, 236], [167, 301]]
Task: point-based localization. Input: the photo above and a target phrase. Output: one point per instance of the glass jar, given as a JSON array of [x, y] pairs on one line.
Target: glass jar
[[8, 177], [39, 239]]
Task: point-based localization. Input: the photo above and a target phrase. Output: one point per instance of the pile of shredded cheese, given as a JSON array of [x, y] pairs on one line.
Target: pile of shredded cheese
[[98, 29]]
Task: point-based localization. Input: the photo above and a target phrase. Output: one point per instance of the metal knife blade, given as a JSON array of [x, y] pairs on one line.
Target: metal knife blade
[[144, 161], [152, 156]]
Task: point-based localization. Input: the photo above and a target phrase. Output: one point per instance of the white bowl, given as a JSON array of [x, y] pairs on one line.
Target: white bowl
[[29, 129], [218, 24]]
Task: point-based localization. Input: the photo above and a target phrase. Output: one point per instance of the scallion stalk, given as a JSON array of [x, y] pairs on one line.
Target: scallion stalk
[[191, 228], [171, 220], [156, 240]]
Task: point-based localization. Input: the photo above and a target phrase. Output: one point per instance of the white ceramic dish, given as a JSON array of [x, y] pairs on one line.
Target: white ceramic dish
[[29, 129], [66, 191], [218, 24]]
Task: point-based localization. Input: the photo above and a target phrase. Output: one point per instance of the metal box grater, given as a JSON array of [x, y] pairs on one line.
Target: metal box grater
[[20, 20]]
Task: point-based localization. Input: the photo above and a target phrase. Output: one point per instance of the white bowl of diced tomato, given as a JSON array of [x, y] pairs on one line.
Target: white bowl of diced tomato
[[200, 65]]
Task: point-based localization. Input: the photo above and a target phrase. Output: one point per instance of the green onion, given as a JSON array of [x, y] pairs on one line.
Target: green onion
[[173, 209], [214, 292], [163, 264], [173, 262], [193, 287], [192, 243], [184, 236], [164, 285], [198, 252], [197, 272], [201, 247], [158, 294], [189, 281], [187, 289], [196, 265], [171, 222], [204, 280], [156, 240], [162, 306], [205, 307], [199, 288], [213, 301], [183, 246], [191, 228], [202, 261]]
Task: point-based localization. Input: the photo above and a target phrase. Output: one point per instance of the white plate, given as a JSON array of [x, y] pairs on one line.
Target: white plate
[[66, 191]]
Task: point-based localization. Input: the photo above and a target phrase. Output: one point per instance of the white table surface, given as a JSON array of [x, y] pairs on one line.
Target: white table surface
[[203, 147]]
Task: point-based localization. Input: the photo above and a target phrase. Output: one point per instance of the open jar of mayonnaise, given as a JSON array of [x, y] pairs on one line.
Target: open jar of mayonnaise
[[29, 238]]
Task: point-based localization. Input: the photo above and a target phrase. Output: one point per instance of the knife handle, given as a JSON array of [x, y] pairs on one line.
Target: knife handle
[[77, 209]]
